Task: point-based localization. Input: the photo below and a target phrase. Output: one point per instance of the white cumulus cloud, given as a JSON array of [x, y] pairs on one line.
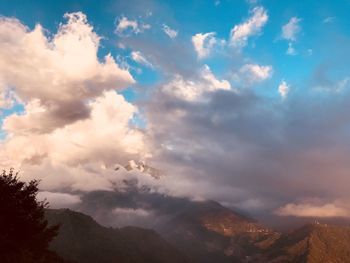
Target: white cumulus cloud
[[252, 26], [204, 43], [253, 73], [54, 77], [75, 125]]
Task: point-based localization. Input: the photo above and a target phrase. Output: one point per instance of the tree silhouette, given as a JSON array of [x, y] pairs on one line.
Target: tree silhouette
[[24, 231]]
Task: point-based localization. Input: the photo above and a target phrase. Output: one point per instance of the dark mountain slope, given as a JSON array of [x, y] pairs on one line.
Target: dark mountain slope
[[82, 240]]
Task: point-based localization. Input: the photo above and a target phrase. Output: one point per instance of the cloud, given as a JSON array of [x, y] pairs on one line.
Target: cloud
[[59, 200], [127, 27], [129, 212], [204, 43], [338, 86], [291, 50], [169, 31], [252, 26], [253, 73], [167, 56], [75, 126], [211, 140], [312, 210], [283, 89], [291, 30], [104, 138], [195, 90], [138, 207], [8, 98], [138, 57], [248, 144], [54, 77]]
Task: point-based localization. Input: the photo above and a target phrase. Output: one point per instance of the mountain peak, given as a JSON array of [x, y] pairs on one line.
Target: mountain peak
[[142, 167]]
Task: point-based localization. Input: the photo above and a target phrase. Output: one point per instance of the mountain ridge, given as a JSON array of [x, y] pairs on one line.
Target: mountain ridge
[[202, 232], [313, 243]]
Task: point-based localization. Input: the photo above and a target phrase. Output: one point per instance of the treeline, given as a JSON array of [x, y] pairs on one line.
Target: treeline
[[24, 232]]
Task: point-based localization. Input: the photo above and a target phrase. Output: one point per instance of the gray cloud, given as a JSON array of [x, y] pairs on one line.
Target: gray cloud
[[260, 148]]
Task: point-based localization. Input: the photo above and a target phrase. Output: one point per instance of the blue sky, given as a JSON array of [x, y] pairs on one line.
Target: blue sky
[[323, 24], [245, 102]]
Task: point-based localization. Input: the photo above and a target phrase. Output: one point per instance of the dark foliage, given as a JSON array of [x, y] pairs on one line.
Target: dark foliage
[[24, 231]]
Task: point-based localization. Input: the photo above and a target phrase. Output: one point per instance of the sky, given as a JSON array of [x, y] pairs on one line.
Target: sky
[[243, 101]]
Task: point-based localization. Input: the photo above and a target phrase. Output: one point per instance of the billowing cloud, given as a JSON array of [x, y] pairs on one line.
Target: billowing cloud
[[102, 140], [312, 210], [75, 126], [252, 26], [204, 43], [54, 77], [172, 33]]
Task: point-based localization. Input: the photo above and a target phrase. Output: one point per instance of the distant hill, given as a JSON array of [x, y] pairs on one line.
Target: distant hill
[[208, 232], [313, 243], [82, 240]]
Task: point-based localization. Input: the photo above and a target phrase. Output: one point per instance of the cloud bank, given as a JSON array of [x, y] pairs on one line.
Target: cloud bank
[[212, 139], [74, 125]]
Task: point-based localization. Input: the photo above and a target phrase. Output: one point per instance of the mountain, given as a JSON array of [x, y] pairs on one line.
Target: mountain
[[208, 232], [199, 232], [313, 243], [82, 240]]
